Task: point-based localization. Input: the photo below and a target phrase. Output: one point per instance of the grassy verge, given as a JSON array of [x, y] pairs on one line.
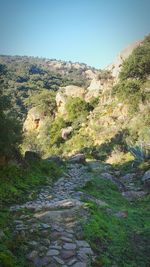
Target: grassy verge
[[118, 241], [19, 184]]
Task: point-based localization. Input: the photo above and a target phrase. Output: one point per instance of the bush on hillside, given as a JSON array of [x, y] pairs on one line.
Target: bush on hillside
[[77, 109]]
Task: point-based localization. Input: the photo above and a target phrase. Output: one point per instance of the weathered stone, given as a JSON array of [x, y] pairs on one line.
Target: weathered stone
[[79, 264], [146, 177], [66, 239], [65, 132], [128, 177], [116, 66], [78, 158], [32, 255], [66, 254], [82, 243], [121, 214], [44, 225], [86, 250], [45, 241], [69, 246], [133, 195], [72, 261], [52, 252], [58, 260]]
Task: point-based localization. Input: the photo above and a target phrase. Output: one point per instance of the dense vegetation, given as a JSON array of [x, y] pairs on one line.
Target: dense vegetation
[[116, 132], [134, 77], [27, 75]]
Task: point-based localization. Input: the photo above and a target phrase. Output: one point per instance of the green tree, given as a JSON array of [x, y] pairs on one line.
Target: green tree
[[77, 109], [10, 130], [44, 100]]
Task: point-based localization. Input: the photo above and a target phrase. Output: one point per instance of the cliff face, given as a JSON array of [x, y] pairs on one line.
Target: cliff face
[[115, 67], [102, 116], [34, 121], [99, 87]]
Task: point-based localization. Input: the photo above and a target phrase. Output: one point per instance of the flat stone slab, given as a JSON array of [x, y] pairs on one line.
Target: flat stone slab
[[67, 254], [52, 252], [82, 243], [69, 246]]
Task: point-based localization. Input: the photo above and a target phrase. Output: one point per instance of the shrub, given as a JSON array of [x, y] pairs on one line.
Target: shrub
[[77, 109]]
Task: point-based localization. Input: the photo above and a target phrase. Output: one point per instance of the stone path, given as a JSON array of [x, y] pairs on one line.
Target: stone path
[[52, 229]]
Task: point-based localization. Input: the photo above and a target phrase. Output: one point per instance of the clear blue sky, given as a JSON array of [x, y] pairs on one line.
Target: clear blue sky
[[89, 31]]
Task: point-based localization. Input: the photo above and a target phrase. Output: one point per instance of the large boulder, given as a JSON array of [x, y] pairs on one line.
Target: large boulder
[[74, 91], [35, 119], [66, 132], [78, 158], [64, 93]]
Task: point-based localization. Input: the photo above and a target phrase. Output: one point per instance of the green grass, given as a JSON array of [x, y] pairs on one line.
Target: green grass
[[19, 184], [122, 242]]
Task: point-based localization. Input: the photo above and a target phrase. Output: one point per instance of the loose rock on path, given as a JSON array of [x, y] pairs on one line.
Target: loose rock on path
[[53, 229]]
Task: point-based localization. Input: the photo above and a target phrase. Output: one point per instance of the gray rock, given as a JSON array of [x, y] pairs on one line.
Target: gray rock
[[146, 175], [66, 239], [82, 243], [146, 178], [79, 264], [52, 252], [33, 243], [58, 260], [128, 177], [45, 242], [69, 246], [121, 214], [31, 256], [66, 132], [72, 261], [44, 226], [133, 195], [78, 158], [67, 254]]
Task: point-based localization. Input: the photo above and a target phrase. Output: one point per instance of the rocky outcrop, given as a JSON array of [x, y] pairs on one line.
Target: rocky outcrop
[[65, 92], [34, 120], [66, 132], [115, 67], [78, 158]]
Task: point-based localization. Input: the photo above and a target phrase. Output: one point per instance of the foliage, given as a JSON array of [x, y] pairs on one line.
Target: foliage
[[10, 129], [138, 64], [27, 76], [140, 153], [55, 131], [114, 239], [77, 109], [129, 92], [133, 76], [17, 182], [44, 101]]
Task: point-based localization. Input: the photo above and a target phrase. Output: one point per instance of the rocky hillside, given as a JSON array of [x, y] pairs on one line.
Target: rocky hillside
[[75, 185], [110, 115], [28, 75]]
